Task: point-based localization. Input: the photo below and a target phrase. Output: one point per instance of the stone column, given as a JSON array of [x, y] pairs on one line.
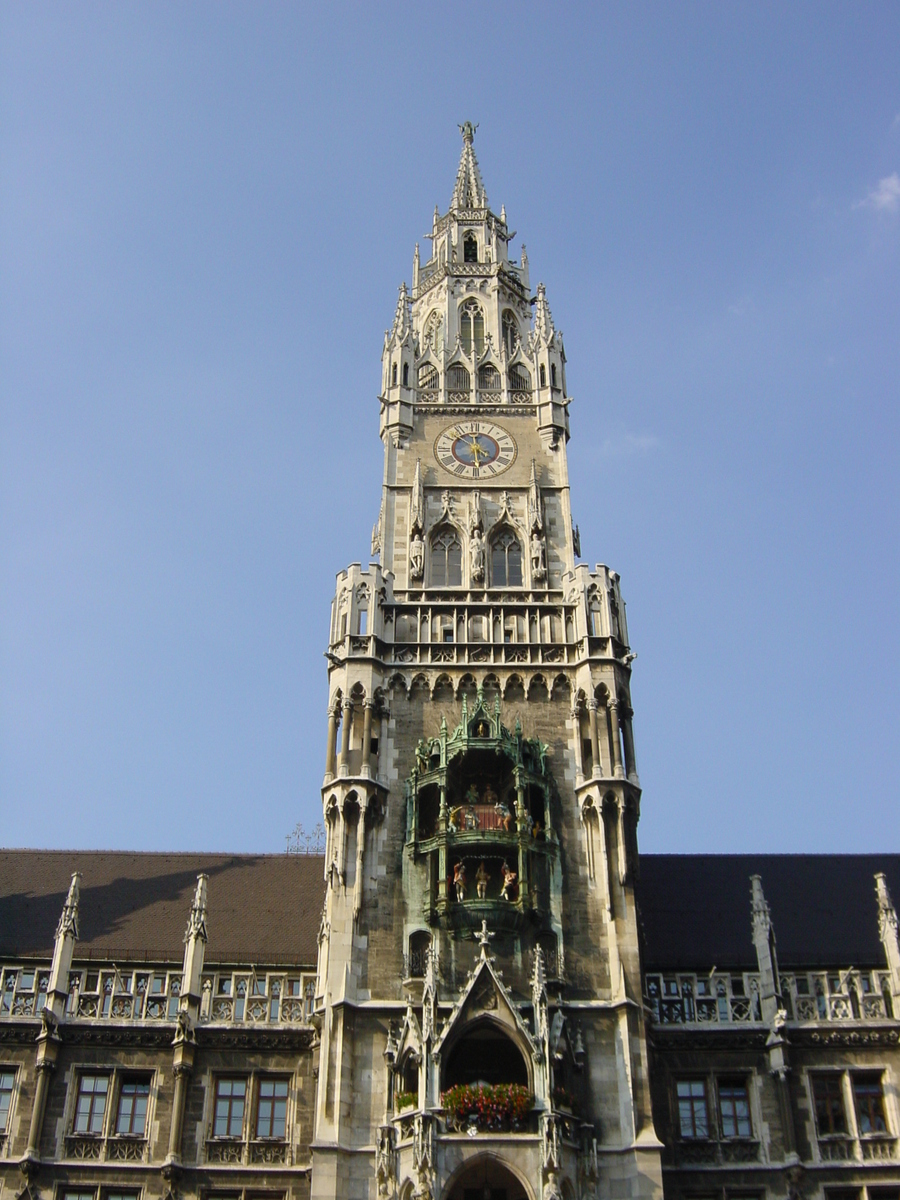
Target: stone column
[[595, 738], [628, 740], [618, 772], [579, 762], [367, 736], [331, 742], [345, 739], [182, 1067]]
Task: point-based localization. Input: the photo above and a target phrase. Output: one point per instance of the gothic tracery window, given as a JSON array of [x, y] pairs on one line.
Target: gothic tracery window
[[506, 560], [446, 559], [434, 329], [519, 379], [428, 377], [470, 248], [471, 327]]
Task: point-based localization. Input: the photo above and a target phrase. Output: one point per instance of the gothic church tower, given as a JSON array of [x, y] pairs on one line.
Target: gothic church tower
[[481, 795]]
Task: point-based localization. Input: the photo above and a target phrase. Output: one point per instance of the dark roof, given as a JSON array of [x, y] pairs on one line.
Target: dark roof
[[694, 909], [263, 908]]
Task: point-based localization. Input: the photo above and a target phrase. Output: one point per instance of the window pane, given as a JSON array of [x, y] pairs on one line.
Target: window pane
[[6, 1088], [692, 1112], [734, 1109], [229, 1109], [272, 1113], [454, 565], [869, 1104], [90, 1105], [132, 1114], [514, 569], [498, 567], [829, 1105]]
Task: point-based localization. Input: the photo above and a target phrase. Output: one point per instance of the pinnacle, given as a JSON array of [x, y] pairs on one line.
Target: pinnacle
[[469, 190]]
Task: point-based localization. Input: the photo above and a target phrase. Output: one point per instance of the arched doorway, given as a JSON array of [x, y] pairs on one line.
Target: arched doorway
[[486, 1178]]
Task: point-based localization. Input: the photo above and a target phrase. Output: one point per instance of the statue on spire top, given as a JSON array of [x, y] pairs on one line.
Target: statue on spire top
[[467, 129]]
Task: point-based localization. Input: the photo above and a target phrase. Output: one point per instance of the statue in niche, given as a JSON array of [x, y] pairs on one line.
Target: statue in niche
[[504, 815], [538, 557], [509, 882], [459, 881], [472, 794], [490, 796], [482, 879], [476, 555], [416, 555]]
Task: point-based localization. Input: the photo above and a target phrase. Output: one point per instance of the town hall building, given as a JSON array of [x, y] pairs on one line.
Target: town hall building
[[480, 991]]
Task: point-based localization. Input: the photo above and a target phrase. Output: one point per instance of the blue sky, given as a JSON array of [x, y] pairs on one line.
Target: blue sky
[[207, 210]]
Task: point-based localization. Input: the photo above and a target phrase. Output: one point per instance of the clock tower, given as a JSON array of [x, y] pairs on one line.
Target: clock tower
[[479, 989]]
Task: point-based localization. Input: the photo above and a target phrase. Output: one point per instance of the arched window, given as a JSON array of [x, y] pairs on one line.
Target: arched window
[[553, 374], [406, 374], [519, 379], [417, 960], [506, 560], [510, 332], [470, 248], [394, 374], [434, 329], [488, 378], [428, 377], [485, 1054], [543, 376], [446, 560], [458, 378], [471, 327]]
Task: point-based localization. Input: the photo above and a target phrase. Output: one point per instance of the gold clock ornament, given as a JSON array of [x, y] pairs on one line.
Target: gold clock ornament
[[475, 449]]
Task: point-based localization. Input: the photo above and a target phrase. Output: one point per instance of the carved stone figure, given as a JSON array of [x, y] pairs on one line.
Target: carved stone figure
[[551, 1187], [459, 881], [476, 556], [416, 555], [482, 879], [509, 882], [538, 557]]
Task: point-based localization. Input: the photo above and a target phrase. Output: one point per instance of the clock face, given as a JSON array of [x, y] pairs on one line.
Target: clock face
[[475, 449]]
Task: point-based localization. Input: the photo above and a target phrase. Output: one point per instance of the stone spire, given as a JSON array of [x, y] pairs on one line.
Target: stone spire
[[544, 329], [195, 938], [469, 190], [764, 943], [63, 948], [887, 931], [401, 325]]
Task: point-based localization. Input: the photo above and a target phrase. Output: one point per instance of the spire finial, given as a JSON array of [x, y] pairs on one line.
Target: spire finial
[[467, 129], [484, 939]]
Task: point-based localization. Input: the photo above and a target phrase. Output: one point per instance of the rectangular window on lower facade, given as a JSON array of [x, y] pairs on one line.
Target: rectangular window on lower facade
[[271, 1108], [869, 1099], [90, 1103], [7, 1083], [734, 1109], [828, 1098], [693, 1113], [228, 1117], [131, 1113]]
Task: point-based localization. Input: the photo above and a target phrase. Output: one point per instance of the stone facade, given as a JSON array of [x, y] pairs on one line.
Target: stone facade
[[479, 989]]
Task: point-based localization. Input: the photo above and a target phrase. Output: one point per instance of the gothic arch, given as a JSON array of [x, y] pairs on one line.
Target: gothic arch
[[479, 1167], [537, 688], [445, 560], [467, 687], [561, 689], [514, 689], [397, 682], [506, 556], [443, 688], [466, 1053], [419, 684]]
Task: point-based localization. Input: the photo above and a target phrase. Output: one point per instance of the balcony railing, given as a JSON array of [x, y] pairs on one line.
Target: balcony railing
[[733, 999], [700, 1151], [87, 1147]]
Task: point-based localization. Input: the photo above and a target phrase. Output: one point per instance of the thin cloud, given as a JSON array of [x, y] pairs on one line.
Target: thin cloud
[[623, 444], [885, 197]]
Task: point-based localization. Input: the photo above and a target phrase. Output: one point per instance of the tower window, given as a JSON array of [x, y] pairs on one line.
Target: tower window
[[446, 560], [543, 376], [394, 374], [510, 332], [553, 374], [458, 378], [519, 379], [488, 378], [470, 248], [428, 377], [506, 561], [406, 374], [471, 327]]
